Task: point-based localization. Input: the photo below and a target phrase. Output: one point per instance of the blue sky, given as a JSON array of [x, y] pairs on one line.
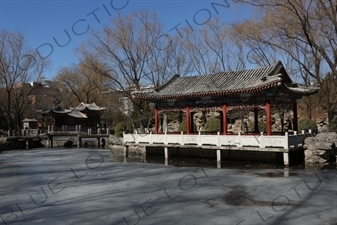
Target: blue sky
[[42, 20]]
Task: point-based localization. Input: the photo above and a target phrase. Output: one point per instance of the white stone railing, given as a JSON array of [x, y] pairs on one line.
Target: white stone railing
[[261, 141]]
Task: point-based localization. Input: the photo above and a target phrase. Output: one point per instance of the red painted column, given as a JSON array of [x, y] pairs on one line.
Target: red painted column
[[156, 120], [224, 119], [295, 128], [256, 120], [268, 118], [192, 122], [188, 120]]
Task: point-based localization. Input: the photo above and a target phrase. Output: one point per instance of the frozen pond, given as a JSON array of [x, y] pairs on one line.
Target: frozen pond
[[91, 186]]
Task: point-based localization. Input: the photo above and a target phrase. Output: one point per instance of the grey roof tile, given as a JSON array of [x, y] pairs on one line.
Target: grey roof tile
[[77, 114], [90, 106]]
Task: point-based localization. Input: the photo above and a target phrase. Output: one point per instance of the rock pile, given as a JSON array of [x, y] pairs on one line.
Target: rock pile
[[239, 121], [321, 148], [242, 120]]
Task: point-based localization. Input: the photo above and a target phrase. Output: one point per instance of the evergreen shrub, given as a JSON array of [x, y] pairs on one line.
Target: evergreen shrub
[[306, 124], [261, 126], [212, 125], [123, 127], [332, 127]]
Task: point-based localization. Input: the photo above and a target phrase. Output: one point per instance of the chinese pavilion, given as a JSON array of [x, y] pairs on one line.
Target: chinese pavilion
[[264, 88], [86, 115]]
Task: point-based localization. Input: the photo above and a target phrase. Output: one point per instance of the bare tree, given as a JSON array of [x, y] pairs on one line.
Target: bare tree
[[304, 31], [211, 48], [134, 52], [84, 84], [168, 61], [18, 66], [42, 95]]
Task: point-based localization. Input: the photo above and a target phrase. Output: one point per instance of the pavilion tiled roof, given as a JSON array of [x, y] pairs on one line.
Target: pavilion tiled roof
[[90, 106], [226, 83], [55, 109], [29, 120], [73, 112], [78, 114]]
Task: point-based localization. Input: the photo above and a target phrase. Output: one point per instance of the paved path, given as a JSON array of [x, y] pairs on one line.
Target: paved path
[[86, 186]]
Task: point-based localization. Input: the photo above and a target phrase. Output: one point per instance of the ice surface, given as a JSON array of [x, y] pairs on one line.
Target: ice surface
[[86, 186]]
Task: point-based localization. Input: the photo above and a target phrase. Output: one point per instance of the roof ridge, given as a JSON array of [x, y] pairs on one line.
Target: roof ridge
[[276, 68], [167, 83], [279, 63]]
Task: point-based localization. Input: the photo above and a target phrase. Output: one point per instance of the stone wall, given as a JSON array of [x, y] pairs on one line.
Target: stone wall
[[321, 148]]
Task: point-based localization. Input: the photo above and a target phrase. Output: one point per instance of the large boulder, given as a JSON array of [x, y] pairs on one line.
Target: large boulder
[[321, 148], [327, 137], [315, 144], [199, 120], [114, 140], [317, 156]]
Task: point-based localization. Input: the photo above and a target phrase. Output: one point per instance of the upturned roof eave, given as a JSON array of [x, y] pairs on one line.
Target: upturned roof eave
[[300, 90], [90, 109]]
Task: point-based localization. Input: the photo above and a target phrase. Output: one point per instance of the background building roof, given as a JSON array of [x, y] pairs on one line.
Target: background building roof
[[91, 106]]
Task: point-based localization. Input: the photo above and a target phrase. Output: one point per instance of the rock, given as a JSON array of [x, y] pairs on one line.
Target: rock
[[327, 137], [314, 159], [318, 156], [114, 140], [321, 153], [310, 140], [173, 126], [322, 128], [199, 120], [235, 117], [237, 126], [322, 139], [251, 116], [321, 148]]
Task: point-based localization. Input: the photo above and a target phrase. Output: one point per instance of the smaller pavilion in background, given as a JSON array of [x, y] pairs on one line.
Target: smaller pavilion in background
[[255, 89], [29, 123], [86, 115]]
